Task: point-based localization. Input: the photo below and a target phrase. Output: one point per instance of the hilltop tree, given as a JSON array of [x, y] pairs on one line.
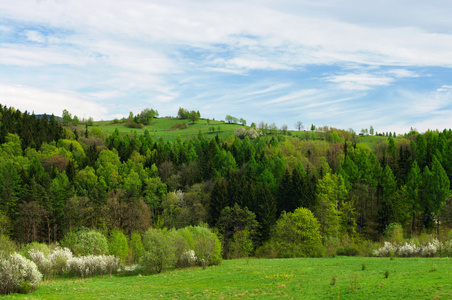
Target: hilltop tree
[[194, 116], [299, 125]]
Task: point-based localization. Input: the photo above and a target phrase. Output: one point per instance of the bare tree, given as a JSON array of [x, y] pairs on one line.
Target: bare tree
[[299, 125], [284, 128]]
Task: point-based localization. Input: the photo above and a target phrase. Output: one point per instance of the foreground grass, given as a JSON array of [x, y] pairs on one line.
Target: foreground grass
[[305, 278]]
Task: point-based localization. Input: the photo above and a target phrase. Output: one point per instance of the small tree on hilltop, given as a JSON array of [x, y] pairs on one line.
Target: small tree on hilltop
[[299, 125]]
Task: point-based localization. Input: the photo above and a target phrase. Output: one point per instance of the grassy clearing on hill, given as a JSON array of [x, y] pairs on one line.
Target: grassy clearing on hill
[[161, 128], [302, 278]]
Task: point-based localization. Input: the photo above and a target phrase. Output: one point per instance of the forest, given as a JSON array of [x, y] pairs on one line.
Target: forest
[[55, 180]]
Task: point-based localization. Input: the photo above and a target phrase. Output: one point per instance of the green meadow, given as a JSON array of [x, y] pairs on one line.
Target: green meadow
[[300, 278], [162, 128]]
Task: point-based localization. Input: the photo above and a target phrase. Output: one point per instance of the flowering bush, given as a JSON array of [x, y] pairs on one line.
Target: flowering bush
[[386, 250], [18, 275], [92, 265], [431, 248], [188, 258], [409, 249], [42, 262], [59, 258]]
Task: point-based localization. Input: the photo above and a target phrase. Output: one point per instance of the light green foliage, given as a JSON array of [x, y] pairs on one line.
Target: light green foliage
[[12, 145], [159, 252], [297, 234], [7, 246], [87, 242], [34, 246], [136, 245], [207, 246], [394, 233], [331, 192], [117, 245]]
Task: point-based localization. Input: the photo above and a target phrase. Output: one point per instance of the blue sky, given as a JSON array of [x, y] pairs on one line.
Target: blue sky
[[346, 64]]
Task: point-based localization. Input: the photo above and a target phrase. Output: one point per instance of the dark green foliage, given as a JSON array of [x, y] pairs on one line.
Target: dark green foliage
[[348, 250]]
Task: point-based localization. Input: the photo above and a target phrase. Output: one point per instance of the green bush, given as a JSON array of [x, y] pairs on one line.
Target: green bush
[[34, 246], [86, 242], [348, 250], [179, 126], [7, 246], [159, 252], [207, 246]]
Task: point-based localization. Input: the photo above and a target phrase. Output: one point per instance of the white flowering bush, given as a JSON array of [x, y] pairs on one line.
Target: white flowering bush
[[386, 250], [408, 250], [92, 265], [18, 275], [42, 262], [188, 258], [431, 248], [447, 247], [59, 258]]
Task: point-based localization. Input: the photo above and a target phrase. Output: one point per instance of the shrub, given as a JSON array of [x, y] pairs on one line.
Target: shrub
[[207, 246], [89, 242], [59, 258], [179, 126], [7, 246], [34, 246], [18, 275], [159, 252], [386, 250], [348, 250], [92, 265], [42, 262]]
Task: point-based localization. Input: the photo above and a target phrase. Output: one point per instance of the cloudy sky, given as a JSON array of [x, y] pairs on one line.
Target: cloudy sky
[[341, 63]]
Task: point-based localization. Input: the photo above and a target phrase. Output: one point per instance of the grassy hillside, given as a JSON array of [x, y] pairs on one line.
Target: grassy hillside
[[303, 278], [162, 128]]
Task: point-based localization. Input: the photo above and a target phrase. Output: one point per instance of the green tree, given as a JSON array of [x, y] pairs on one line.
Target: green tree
[[331, 192], [413, 183], [136, 245], [231, 222], [194, 116], [297, 234], [117, 245], [67, 117]]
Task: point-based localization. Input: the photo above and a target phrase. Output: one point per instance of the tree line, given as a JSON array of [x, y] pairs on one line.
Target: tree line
[[54, 182]]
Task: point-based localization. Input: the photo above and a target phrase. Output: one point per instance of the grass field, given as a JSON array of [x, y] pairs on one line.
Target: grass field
[[303, 278], [161, 128]]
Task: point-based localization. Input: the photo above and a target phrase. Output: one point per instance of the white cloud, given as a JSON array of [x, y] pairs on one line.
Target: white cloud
[[34, 36], [360, 81], [42, 101]]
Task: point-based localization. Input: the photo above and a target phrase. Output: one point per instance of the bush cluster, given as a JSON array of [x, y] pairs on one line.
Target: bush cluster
[[185, 247], [61, 261], [179, 126], [410, 249]]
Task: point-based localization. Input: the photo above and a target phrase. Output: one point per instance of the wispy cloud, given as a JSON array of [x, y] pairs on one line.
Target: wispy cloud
[[265, 59]]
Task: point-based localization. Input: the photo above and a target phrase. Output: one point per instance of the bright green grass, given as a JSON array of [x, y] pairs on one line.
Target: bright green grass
[[161, 128], [304, 278]]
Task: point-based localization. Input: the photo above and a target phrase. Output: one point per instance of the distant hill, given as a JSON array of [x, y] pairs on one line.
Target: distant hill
[[40, 116]]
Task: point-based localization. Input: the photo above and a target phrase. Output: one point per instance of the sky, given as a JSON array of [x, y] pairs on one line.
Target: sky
[[340, 63]]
